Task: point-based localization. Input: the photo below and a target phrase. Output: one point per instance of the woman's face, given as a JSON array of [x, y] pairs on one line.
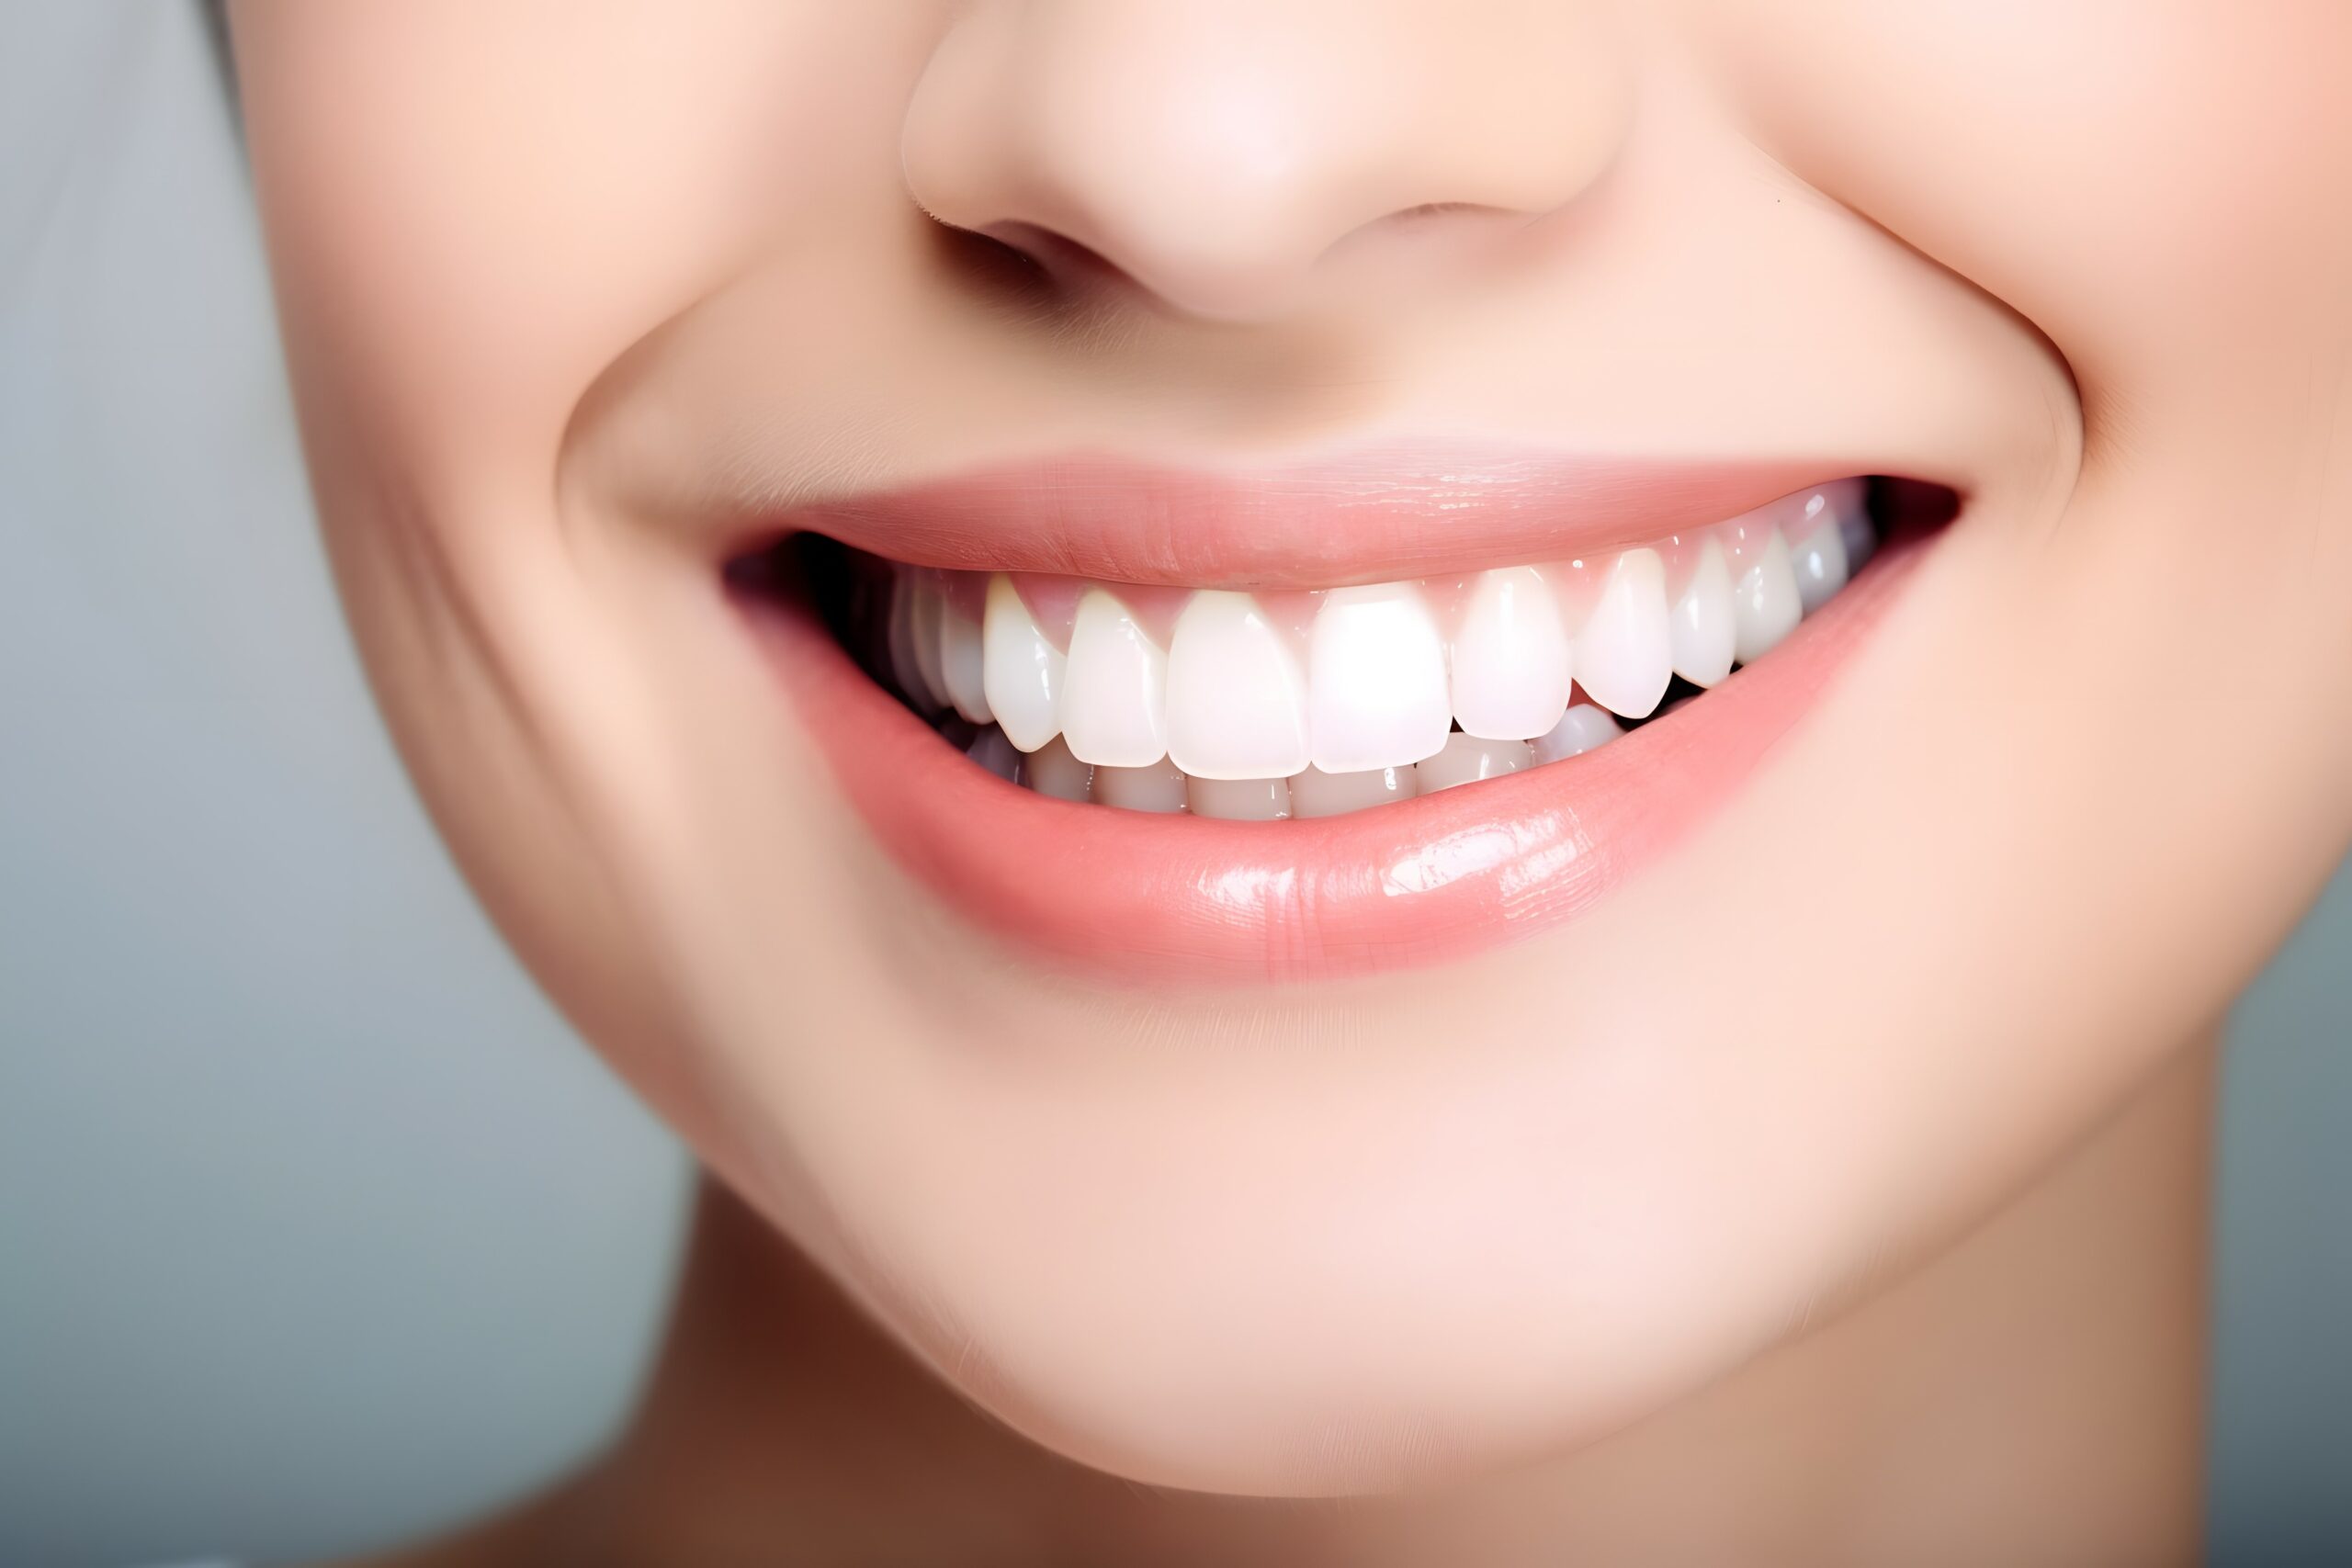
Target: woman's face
[[1335, 1152]]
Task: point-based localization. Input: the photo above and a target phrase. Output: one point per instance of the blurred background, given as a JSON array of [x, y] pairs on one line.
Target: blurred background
[[316, 1227]]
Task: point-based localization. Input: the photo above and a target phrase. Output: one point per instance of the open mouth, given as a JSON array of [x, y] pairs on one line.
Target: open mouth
[[1247, 765]]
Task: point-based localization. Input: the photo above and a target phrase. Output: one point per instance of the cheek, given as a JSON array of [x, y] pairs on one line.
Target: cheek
[[2160, 192], [473, 214], [2154, 187], [474, 211]]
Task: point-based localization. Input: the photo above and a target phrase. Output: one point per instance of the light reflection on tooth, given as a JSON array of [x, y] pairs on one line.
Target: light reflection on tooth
[[1051, 770], [1511, 657], [1114, 698], [1375, 683], [1839, 497], [1819, 561], [991, 751], [1236, 699], [1466, 759], [1766, 604], [1315, 792], [1023, 672], [1239, 800], [960, 664], [1625, 655], [1702, 620], [1157, 786], [1581, 730]]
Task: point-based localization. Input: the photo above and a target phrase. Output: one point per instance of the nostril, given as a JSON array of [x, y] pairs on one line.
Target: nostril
[[1018, 259], [991, 261], [1066, 264], [1436, 210]]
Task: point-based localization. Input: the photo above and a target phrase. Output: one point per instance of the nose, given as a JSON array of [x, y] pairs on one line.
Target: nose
[[1227, 156]]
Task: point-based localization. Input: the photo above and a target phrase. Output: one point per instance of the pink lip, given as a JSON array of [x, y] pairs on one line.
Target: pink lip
[[1396, 512], [1147, 898]]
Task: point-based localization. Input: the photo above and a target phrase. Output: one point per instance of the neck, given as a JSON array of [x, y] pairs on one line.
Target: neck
[[2033, 1393]]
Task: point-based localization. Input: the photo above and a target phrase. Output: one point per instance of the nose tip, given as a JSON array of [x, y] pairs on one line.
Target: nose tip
[[1224, 157]]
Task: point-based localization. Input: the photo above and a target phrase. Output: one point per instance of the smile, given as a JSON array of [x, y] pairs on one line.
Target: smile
[[1232, 748]]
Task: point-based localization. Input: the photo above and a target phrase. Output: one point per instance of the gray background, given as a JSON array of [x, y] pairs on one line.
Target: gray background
[[315, 1227]]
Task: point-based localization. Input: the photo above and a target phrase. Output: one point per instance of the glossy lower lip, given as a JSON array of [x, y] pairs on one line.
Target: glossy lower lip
[[1386, 513], [1141, 899]]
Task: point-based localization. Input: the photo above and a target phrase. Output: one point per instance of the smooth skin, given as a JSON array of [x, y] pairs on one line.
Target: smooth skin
[[1830, 1192]]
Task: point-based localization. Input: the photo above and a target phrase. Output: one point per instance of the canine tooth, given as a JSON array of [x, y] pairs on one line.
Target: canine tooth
[[1625, 654], [1766, 604], [1511, 657], [1237, 700], [1315, 792], [1051, 770], [1702, 628], [1239, 800], [1581, 730], [1155, 786], [991, 751], [1375, 686], [1023, 671], [1466, 759], [960, 666], [1819, 562], [926, 612], [1116, 695]]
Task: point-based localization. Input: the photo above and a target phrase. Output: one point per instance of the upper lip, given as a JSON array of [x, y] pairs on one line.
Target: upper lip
[[1375, 515]]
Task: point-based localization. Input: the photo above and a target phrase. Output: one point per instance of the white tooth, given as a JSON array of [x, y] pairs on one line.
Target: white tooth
[[1376, 684], [1511, 657], [905, 669], [1702, 620], [1051, 770], [1318, 794], [991, 751], [1581, 730], [1625, 653], [1239, 800], [1115, 702], [1237, 700], [960, 664], [1466, 759], [1156, 787], [926, 616], [1819, 562], [1024, 673], [1766, 604]]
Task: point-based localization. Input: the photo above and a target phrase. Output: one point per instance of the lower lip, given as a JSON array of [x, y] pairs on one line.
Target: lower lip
[[1143, 898]]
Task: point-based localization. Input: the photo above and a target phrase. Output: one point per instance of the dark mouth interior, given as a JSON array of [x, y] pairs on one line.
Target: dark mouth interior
[[849, 590]]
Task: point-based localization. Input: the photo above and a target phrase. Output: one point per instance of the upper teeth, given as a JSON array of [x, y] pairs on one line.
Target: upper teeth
[[1372, 678], [1236, 693]]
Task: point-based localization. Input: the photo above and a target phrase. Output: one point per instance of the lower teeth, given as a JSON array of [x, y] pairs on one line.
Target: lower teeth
[[1163, 787]]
